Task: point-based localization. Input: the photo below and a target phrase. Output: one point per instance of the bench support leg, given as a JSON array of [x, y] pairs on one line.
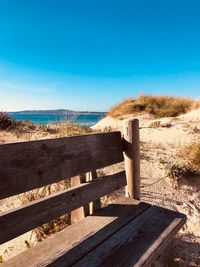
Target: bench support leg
[[80, 213]]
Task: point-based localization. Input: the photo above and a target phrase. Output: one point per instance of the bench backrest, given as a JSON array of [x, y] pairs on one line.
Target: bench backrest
[[30, 165]]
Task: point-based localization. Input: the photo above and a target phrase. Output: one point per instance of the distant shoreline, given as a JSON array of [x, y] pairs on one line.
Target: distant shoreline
[[57, 112]]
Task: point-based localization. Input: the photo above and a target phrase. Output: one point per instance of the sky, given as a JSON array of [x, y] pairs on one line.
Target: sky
[[91, 54]]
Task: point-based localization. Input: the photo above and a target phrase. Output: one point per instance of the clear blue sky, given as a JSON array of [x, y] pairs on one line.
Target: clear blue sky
[[89, 55]]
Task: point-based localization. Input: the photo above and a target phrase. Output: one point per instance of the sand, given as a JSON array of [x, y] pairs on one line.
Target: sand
[[161, 141]]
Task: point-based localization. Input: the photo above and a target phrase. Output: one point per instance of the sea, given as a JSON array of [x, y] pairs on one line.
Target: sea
[[83, 119]]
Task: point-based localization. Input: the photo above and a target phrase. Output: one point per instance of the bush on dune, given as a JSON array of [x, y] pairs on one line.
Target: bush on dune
[[191, 166], [159, 106], [6, 122], [192, 153]]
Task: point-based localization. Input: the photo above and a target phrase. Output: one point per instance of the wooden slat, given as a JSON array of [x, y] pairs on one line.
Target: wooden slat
[[65, 247], [28, 165], [136, 243], [31, 215]]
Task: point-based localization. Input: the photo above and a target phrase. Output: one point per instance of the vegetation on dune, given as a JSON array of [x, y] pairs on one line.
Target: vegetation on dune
[[62, 129], [177, 171], [191, 166], [71, 129], [159, 106], [192, 154], [7, 123]]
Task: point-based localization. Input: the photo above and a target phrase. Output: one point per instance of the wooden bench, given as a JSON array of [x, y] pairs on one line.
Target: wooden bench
[[127, 232]]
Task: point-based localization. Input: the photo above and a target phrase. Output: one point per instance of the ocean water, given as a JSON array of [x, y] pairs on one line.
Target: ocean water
[[83, 119]]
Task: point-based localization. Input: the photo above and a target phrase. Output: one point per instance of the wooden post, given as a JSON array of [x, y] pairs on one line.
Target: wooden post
[[95, 205], [132, 158], [80, 213]]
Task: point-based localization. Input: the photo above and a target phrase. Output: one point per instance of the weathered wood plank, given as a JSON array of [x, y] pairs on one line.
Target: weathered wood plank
[[138, 241], [65, 247], [38, 212], [28, 165]]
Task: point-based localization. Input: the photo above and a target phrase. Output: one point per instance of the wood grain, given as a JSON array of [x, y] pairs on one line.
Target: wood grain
[[132, 157], [69, 245], [136, 243], [29, 165], [38, 212]]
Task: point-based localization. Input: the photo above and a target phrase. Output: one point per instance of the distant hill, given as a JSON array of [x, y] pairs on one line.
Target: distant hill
[[57, 112]]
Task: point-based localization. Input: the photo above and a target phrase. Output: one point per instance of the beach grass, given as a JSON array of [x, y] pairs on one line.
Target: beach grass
[[192, 154], [159, 106], [7, 123]]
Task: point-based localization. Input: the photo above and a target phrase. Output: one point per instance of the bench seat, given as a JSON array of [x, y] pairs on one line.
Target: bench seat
[[125, 233]]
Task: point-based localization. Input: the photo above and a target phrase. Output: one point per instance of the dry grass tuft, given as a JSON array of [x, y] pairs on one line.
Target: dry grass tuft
[[196, 104], [176, 171], [192, 154], [191, 166], [7, 123], [159, 106], [71, 129]]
